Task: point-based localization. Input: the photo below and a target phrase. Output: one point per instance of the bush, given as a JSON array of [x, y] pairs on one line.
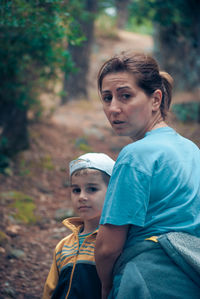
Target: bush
[[34, 36]]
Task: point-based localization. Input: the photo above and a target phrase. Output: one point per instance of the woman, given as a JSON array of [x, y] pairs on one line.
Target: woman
[[151, 215]]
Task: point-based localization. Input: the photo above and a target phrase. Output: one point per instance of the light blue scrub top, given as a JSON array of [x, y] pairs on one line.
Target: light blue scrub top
[[155, 186]]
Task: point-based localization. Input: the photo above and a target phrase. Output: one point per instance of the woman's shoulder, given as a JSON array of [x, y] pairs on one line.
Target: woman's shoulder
[[158, 147], [136, 156], [139, 147], [158, 140]]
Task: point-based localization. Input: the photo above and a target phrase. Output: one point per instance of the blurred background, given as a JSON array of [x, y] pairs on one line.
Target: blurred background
[[50, 112]]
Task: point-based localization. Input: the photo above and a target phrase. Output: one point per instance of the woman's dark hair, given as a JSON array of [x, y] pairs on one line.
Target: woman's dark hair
[[146, 72]]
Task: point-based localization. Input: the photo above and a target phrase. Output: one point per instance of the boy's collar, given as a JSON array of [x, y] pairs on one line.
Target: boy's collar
[[75, 224], [73, 221]]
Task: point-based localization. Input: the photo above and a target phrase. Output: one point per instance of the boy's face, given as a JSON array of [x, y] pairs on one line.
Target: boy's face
[[88, 192]]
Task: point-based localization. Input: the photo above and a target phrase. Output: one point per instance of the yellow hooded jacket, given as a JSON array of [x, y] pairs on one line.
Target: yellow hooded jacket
[[73, 272]]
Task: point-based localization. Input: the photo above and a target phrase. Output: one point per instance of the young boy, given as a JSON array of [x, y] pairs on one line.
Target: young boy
[[73, 272]]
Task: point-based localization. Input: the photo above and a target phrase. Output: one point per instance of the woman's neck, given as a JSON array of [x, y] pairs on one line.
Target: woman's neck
[[160, 124]]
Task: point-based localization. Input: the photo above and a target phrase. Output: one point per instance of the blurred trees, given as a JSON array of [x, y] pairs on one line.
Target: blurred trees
[[176, 37], [38, 38], [122, 12], [32, 47], [76, 83]]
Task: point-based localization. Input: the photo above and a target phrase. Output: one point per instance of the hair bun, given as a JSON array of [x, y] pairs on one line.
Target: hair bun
[[167, 77]]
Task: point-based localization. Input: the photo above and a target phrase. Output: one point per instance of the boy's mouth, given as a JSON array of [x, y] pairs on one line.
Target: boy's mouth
[[83, 208]]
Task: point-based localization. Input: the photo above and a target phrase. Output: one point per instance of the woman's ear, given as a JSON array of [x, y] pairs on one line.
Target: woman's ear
[[157, 99]]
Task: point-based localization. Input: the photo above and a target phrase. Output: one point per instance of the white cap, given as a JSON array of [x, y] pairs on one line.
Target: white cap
[[97, 161]]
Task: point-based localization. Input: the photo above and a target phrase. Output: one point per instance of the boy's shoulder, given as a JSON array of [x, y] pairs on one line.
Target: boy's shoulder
[[68, 240], [74, 224]]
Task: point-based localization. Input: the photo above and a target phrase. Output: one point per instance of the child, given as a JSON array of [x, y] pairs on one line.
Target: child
[[73, 272]]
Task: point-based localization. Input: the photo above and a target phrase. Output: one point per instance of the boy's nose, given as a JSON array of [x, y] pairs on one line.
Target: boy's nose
[[82, 196]]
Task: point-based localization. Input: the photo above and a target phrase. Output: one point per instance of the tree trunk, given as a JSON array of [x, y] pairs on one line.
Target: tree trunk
[[122, 12], [75, 84], [14, 134]]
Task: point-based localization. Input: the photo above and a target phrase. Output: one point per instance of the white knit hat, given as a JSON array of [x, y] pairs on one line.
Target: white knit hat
[[97, 161]]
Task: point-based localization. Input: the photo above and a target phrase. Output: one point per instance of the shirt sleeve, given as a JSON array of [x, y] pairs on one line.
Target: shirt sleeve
[[127, 196], [52, 280]]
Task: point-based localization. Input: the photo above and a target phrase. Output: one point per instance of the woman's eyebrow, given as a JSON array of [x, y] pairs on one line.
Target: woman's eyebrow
[[118, 89], [105, 91], [123, 87]]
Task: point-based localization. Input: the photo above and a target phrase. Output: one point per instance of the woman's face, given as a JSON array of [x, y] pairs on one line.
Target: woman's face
[[129, 110]]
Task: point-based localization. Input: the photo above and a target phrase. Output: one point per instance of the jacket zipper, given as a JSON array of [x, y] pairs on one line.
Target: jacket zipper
[[72, 273], [74, 265]]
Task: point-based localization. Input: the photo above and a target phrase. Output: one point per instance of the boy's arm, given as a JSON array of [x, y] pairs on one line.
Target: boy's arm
[[51, 281], [109, 245]]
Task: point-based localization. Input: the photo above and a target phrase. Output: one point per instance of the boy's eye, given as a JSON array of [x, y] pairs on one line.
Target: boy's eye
[[91, 189], [76, 190], [107, 98]]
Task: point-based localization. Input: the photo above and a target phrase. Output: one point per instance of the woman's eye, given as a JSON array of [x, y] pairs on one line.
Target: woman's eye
[[107, 98], [126, 96]]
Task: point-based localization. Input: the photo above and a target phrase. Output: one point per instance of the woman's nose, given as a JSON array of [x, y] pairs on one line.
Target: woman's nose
[[114, 106]]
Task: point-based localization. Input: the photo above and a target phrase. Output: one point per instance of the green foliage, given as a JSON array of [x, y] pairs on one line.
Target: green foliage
[[34, 38], [103, 4], [47, 163], [144, 27], [187, 112], [165, 13], [106, 26], [27, 167], [85, 148], [22, 206], [4, 163], [176, 35], [82, 144], [23, 169], [32, 47], [3, 237]]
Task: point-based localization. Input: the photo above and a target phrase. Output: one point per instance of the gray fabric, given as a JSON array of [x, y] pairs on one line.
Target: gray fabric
[[184, 250], [150, 270], [188, 246]]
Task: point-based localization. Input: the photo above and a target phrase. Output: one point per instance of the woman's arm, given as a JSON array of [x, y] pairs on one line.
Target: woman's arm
[[109, 245]]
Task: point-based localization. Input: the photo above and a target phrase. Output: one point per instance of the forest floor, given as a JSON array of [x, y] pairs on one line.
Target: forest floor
[[38, 180]]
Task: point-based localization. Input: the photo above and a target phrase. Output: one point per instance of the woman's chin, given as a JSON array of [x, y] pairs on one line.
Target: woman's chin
[[119, 131]]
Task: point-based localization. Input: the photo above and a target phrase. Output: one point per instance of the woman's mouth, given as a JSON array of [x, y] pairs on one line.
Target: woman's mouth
[[118, 123]]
